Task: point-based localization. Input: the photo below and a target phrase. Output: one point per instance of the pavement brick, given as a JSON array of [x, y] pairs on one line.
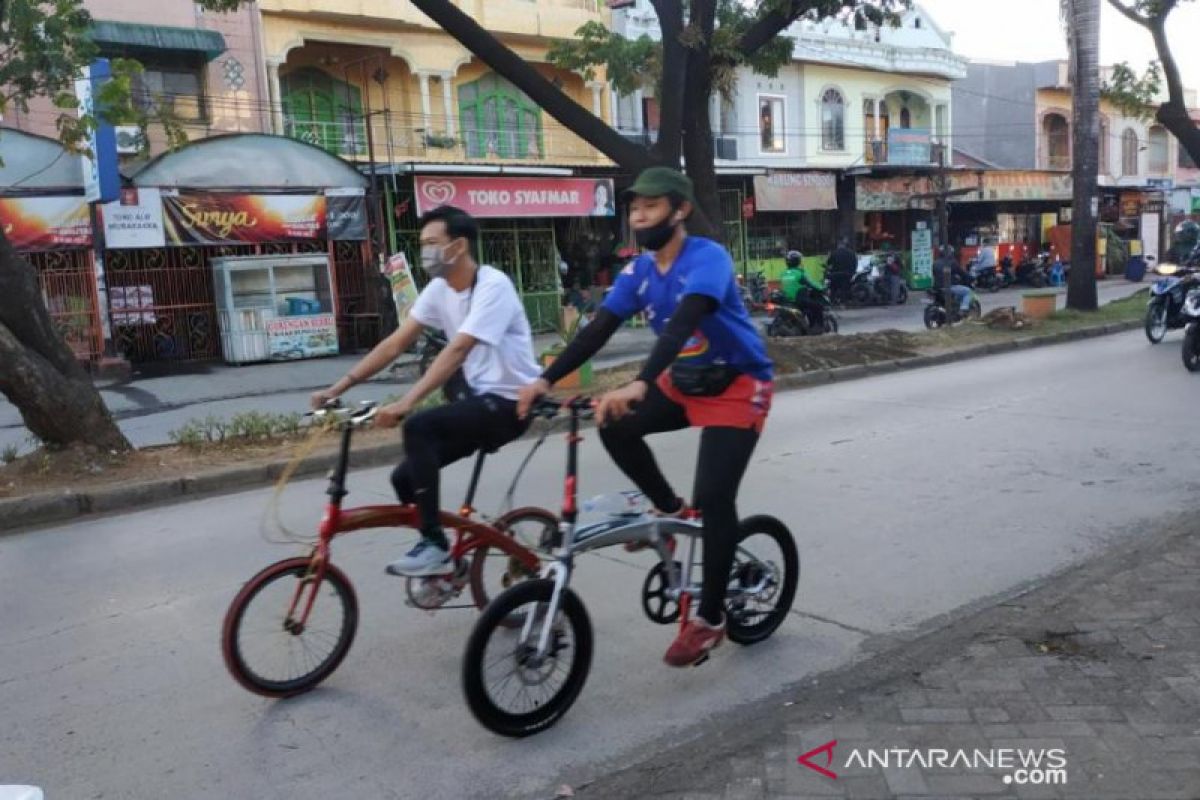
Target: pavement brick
[[935, 714]]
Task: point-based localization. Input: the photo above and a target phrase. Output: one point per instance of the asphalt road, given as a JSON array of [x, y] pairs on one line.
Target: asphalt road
[[910, 495]]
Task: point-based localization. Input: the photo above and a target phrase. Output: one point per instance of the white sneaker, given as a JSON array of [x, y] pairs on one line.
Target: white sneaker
[[426, 558]]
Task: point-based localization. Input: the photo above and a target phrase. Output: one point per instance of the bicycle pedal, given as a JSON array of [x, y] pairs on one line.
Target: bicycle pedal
[[700, 660]]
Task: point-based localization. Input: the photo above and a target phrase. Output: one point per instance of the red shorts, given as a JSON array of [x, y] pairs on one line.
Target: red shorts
[[743, 405]]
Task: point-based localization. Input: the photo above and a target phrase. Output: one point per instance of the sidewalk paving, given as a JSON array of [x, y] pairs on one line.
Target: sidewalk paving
[[1102, 661]]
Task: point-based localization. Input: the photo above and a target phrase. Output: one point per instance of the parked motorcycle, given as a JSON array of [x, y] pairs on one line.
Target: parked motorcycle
[[1034, 272], [785, 319], [432, 343], [1191, 336], [936, 315], [985, 277], [868, 286], [754, 291], [1165, 310]]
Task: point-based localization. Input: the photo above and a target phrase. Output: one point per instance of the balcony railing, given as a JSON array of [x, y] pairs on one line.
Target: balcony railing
[[395, 138]]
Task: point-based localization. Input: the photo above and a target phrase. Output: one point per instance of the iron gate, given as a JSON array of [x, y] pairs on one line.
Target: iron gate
[[68, 283]]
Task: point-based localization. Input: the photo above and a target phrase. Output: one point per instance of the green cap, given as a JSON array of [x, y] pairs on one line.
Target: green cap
[[660, 181]]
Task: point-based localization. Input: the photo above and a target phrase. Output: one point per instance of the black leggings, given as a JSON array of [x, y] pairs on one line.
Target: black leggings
[[724, 455], [443, 435]]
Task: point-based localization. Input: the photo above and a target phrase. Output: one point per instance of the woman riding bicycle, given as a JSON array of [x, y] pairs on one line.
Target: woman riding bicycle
[[708, 369]]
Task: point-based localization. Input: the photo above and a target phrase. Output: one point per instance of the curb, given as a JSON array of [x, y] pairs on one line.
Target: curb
[[19, 513]]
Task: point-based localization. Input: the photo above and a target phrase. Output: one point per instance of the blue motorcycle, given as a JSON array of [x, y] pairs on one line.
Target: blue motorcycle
[[1165, 310]]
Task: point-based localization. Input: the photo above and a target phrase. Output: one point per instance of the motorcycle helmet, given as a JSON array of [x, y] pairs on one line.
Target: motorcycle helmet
[[793, 259]]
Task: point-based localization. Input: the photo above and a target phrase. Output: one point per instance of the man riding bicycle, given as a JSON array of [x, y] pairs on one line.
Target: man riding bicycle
[[708, 369], [489, 340]]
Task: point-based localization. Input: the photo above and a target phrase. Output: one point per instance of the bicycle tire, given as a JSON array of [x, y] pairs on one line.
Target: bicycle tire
[[231, 647], [506, 522], [776, 530], [480, 702]]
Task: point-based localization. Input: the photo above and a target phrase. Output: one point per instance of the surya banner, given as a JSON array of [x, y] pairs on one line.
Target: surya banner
[[795, 191], [46, 223], [205, 218], [518, 197]]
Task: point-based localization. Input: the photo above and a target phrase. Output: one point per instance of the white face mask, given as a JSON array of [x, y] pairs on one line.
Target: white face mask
[[433, 260]]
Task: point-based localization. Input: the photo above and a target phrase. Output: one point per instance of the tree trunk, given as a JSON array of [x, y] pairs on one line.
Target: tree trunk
[[1085, 82], [509, 65], [697, 123], [38, 372], [667, 149]]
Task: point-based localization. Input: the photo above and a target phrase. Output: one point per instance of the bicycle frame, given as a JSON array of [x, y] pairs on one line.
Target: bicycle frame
[[469, 534]]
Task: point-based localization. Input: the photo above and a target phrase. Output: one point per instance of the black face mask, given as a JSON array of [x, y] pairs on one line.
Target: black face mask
[[656, 236]]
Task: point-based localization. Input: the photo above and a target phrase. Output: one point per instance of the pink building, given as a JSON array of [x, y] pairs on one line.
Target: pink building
[[205, 68]]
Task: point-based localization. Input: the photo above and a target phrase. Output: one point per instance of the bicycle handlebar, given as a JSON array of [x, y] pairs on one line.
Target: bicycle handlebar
[[346, 417]]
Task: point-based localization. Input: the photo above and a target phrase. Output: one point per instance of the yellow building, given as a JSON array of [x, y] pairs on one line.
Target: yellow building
[[363, 78], [337, 68]]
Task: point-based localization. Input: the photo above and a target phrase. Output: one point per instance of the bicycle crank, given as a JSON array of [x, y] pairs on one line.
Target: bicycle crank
[[657, 603], [433, 592]]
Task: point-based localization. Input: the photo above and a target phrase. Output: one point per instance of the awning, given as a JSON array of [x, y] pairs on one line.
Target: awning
[[158, 37]]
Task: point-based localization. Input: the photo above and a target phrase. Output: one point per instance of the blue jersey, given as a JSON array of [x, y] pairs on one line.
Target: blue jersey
[[727, 336]]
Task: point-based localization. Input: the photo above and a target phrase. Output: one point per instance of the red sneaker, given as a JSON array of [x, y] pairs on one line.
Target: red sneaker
[[696, 638]]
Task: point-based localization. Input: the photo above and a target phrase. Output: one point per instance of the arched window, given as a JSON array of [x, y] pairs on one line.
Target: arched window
[[833, 120], [1057, 134], [1129, 152], [1159, 150], [322, 110], [498, 119]]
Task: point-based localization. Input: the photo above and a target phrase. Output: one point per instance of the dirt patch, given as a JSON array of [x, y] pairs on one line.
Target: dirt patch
[[807, 354]]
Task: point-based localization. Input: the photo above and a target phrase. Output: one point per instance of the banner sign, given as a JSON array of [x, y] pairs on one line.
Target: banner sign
[[922, 257], [206, 218], [46, 223], [909, 146], [795, 191], [302, 337], [893, 194], [404, 288], [346, 215], [518, 197], [134, 221]]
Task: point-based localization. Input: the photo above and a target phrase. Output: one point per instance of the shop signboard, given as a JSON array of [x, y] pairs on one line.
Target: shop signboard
[[909, 146], [302, 336], [212, 218], [517, 197], [135, 221], [46, 223], [795, 191], [346, 215]]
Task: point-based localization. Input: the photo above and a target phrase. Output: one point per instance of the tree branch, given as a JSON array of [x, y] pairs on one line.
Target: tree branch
[[556, 103], [768, 27], [1130, 13]]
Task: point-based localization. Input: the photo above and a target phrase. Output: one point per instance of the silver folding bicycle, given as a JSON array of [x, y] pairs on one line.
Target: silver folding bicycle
[[529, 653]]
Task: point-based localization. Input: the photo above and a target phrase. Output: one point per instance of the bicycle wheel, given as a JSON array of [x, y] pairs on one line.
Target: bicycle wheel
[[493, 570], [762, 584], [268, 653], [509, 688]]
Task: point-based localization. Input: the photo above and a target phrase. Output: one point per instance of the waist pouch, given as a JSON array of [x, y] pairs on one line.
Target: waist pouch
[[707, 380]]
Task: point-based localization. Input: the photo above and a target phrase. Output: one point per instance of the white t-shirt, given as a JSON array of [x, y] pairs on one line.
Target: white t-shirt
[[502, 360]]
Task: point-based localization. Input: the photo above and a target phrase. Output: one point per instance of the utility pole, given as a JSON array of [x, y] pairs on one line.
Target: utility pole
[[1083, 28]]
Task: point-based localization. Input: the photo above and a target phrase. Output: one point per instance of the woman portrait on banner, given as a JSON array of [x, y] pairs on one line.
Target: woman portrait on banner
[[602, 197]]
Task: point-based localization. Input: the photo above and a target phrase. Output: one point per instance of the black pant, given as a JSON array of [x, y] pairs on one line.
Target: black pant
[[724, 455], [443, 435]]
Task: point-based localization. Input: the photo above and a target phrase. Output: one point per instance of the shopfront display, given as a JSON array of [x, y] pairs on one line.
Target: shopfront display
[[274, 308]]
